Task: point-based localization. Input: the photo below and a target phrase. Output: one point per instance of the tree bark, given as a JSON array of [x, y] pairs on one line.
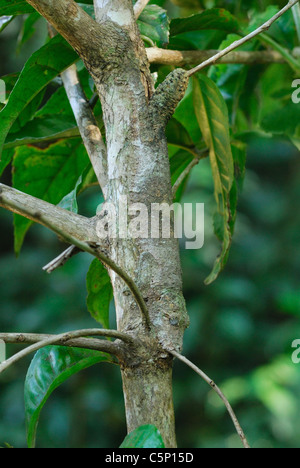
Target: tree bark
[[138, 168]]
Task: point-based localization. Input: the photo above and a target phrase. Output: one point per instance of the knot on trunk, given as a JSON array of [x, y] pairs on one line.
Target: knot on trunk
[[167, 97]]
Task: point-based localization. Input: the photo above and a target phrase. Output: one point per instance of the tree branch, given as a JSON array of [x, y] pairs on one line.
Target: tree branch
[[139, 7], [64, 223], [87, 125], [120, 14], [86, 343], [212, 384], [89, 39], [242, 41], [62, 340], [191, 57]]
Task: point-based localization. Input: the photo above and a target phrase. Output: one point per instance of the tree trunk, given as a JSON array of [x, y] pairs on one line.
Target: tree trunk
[[137, 171]]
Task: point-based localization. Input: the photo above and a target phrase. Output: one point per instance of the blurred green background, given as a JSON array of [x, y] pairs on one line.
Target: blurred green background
[[242, 326]]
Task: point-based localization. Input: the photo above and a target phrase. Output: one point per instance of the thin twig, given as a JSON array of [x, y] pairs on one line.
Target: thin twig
[[139, 7], [129, 281], [62, 339], [95, 344], [242, 41], [212, 384], [61, 259]]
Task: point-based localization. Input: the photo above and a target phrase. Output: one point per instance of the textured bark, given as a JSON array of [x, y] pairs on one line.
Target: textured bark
[[138, 168], [148, 390], [179, 58]]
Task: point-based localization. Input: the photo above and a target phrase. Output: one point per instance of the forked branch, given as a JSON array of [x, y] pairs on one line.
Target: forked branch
[[82, 342], [89, 39], [64, 339]]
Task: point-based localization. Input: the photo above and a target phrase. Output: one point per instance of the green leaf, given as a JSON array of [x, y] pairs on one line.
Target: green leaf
[[7, 156], [88, 178], [48, 174], [69, 202], [28, 29], [14, 7], [40, 69], [257, 18], [239, 153], [57, 104], [286, 54], [185, 114], [10, 81], [286, 120], [43, 130], [178, 162], [100, 293], [147, 436], [28, 112], [154, 24], [50, 367], [215, 18], [212, 115], [178, 136], [231, 78], [20, 7]]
